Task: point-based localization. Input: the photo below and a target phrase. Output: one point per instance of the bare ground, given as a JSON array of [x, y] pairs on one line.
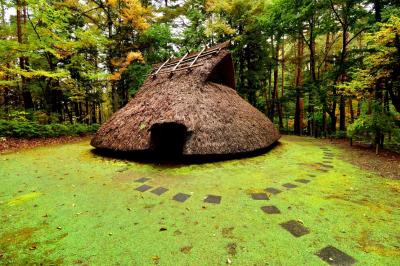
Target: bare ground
[[386, 163], [14, 144]]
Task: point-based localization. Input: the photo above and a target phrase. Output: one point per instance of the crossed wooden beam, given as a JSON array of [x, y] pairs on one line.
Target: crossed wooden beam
[[177, 66]]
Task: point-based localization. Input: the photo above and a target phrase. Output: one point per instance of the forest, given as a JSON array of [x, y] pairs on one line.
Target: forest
[[323, 68]]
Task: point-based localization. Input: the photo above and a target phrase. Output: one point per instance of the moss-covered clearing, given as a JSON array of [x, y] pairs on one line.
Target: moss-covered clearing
[[63, 205]]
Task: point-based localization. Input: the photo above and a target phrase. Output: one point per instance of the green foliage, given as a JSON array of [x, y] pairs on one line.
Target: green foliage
[[28, 129], [372, 121]]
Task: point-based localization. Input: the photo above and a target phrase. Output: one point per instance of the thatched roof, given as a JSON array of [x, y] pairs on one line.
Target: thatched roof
[[192, 111]]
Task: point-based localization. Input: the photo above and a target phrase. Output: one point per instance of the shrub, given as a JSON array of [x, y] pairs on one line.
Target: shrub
[[27, 129], [369, 123]]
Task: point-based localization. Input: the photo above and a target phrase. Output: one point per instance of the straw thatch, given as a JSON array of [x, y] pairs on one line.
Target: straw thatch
[[194, 111]]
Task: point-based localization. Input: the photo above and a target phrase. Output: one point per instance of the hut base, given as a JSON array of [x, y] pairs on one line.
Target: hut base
[[168, 158]]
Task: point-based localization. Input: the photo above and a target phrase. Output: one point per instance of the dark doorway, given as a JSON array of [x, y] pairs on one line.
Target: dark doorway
[[168, 139]]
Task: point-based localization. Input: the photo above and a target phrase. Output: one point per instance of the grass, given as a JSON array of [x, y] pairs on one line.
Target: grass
[[61, 204]]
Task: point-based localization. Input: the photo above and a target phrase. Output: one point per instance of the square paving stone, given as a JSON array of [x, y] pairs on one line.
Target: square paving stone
[[325, 165], [143, 188], [213, 199], [271, 209], [334, 256], [272, 190], [296, 228], [181, 197], [304, 181], [289, 185], [142, 180], [259, 196], [159, 191]]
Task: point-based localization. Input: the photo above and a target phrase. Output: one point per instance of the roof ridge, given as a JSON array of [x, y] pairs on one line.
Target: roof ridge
[[188, 58]]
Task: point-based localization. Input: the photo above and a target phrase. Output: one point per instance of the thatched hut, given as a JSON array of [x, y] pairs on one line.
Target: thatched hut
[[189, 106]]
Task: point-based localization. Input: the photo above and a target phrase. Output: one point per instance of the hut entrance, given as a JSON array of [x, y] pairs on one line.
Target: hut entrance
[[168, 139]]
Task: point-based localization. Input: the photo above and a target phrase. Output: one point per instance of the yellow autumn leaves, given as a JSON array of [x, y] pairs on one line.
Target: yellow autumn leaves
[[132, 13], [123, 64]]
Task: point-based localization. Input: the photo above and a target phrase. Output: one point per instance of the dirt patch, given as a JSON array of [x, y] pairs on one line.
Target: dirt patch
[[13, 144], [227, 232], [386, 163], [17, 237], [186, 249], [231, 249]]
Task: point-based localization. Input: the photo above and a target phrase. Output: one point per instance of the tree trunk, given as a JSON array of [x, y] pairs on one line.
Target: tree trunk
[[299, 112], [351, 110], [26, 94], [276, 72], [342, 113]]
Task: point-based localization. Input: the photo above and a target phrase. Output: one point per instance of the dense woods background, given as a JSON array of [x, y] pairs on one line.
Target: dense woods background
[[315, 67]]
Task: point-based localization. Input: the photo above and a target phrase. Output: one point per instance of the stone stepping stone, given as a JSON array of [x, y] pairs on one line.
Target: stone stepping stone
[[272, 190], [326, 165], [259, 196], [304, 181], [296, 228], [142, 180], [270, 209], [159, 191], [289, 185], [334, 256], [213, 199], [143, 188], [181, 197]]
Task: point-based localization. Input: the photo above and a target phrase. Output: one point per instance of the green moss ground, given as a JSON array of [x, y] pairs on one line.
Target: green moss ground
[[63, 205]]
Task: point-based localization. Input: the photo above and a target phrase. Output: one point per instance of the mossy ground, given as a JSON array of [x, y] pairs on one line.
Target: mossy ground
[[63, 205]]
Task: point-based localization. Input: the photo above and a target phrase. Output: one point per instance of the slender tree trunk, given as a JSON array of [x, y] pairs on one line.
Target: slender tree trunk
[[3, 13], [299, 112], [276, 72], [26, 94], [351, 110], [342, 103], [100, 116]]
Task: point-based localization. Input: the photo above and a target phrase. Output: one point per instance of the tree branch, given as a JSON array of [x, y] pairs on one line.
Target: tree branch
[[358, 33], [336, 13]]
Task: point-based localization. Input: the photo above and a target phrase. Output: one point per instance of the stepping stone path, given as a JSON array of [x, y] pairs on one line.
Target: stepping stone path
[[259, 196], [143, 188], [159, 191], [334, 256], [181, 197], [142, 180], [289, 185], [304, 181], [273, 191], [329, 254], [271, 209], [213, 199], [296, 228]]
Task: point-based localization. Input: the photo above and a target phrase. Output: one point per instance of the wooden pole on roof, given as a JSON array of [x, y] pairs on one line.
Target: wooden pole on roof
[[197, 57], [180, 61], [159, 69]]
